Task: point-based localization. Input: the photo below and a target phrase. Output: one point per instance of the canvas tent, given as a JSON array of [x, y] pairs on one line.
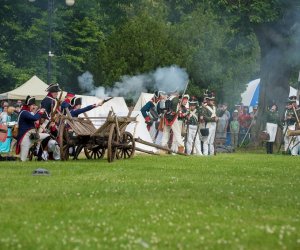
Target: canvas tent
[[251, 95], [34, 87], [143, 99]]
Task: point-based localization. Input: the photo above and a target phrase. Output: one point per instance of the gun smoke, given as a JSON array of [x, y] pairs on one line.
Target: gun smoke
[[168, 79]]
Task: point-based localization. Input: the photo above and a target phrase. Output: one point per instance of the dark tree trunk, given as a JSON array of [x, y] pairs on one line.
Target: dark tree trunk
[[275, 70]]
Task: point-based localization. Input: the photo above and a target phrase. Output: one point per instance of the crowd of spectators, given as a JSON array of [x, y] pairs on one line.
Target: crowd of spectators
[[9, 112], [234, 128]]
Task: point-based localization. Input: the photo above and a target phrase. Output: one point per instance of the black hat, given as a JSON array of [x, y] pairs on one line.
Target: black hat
[[292, 99], [209, 95], [76, 101], [193, 101], [29, 100], [158, 93], [53, 87]]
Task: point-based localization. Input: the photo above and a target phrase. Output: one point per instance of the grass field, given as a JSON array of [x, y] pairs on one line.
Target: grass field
[[231, 201]]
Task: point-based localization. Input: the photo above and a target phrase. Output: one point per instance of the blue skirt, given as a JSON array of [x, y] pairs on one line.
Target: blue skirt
[[5, 146]]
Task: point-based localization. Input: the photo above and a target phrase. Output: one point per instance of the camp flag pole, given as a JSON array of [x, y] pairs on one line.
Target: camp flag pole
[[298, 88]]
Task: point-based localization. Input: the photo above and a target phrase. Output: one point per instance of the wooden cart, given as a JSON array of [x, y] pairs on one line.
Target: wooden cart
[[76, 134]]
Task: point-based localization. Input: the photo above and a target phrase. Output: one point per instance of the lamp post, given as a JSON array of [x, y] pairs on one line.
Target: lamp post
[[50, 54]]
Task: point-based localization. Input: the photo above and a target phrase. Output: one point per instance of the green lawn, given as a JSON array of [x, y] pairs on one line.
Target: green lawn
[[231, 201]]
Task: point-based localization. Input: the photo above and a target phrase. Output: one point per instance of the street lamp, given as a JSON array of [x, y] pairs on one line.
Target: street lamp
[[50, 54]]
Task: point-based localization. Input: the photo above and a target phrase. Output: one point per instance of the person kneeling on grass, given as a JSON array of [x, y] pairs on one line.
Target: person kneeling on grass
[[47, 148], [27, 127]]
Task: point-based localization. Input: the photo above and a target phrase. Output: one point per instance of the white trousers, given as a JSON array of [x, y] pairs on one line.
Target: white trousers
[[177, 139], [285, 139], [192, 129], [27, 143], [272, 131], [158, 138], [152, 131], [293, 142], [208, 142]]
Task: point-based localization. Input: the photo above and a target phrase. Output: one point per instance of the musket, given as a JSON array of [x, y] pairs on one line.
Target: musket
[[282, 140], [297, 118], [55, 107], [106, 100], [194, 140], [186, 86], [186, 137]]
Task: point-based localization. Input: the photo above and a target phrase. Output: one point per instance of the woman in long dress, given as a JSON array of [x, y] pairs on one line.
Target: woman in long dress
[[5, 118]]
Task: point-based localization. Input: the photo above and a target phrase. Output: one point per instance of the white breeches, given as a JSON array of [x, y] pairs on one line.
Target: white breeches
[[208, 143], [192, 129], [177, 139], [27, 143]]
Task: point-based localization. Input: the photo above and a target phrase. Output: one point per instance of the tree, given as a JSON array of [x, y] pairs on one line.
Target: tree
[[214, 56], [276, 25]]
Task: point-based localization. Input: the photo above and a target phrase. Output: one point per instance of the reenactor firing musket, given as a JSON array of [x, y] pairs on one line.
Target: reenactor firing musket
[[55, 108]]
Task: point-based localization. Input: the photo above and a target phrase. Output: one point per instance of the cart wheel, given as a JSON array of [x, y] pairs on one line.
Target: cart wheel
[[94, 152], [126, 150], [112, 138], [64, 143], [77, 151]]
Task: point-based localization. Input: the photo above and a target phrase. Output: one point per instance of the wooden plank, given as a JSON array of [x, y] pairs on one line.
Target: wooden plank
[[139, 140]]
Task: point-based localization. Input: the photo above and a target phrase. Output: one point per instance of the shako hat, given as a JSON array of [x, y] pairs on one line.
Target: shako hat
[[76, 101], [292, 99], [29, 100], [209, 95], [158, 93], [193, 101], [186, 96], [53, 87]]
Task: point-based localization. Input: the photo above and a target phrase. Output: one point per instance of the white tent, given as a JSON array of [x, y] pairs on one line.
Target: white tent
[[34, 87], [143, 99], [117, 104], [139, 130]]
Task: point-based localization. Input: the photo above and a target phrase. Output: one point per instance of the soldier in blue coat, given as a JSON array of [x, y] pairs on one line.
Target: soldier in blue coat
[[66, 104], [76, 103], [49, 102], [27, 127]]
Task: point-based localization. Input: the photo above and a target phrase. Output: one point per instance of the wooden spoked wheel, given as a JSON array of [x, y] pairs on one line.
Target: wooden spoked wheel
[[94, 152], [64, 141], [77, 151], [127, 146], [113, 139]]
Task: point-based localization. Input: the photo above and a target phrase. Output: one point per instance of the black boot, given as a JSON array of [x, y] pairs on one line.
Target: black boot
[[268, 147], [271, 147]]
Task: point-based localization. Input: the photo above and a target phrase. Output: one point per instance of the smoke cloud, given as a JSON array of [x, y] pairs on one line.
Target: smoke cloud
[[167, 79]]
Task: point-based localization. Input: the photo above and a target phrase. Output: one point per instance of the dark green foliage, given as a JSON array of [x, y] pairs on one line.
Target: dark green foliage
[[112, 38]]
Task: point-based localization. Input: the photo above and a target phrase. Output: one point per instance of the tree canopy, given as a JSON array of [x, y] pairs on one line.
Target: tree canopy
[[219, 49]]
